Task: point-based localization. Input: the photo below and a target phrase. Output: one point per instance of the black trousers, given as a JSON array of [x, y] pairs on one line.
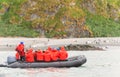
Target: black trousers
[[22, 58]]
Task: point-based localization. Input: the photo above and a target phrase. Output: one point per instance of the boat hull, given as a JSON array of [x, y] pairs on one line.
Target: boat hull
[[71, 62]]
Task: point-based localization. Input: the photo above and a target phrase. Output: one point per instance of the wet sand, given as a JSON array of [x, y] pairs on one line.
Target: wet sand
[[7, 44]]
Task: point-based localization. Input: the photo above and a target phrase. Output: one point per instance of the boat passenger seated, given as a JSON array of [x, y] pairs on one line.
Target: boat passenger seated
[[29, 55], [54, 55], [47, 56], [63, 55], [39, 55]]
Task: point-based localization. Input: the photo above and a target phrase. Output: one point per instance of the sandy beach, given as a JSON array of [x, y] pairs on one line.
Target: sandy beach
[[11, 43]]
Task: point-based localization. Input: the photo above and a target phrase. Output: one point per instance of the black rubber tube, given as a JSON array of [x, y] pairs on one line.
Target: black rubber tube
[[2, 65]]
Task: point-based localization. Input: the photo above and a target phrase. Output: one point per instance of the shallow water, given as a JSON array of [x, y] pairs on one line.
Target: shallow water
[[99, 64]]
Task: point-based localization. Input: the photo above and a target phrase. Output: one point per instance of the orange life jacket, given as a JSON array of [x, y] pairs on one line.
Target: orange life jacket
[[47, 57], [39, 56], [17, 56], [20, 49], [54, 55], [29, 56], [63, 55]]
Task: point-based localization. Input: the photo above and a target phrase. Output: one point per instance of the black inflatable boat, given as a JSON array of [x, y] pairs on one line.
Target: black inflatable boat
[[71, 62]]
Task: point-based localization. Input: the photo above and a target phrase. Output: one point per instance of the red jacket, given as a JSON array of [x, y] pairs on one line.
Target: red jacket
[[20, 49], [17, 56], [54, 55], [63, 55], [29, 56], [47, 57], [39, 56]]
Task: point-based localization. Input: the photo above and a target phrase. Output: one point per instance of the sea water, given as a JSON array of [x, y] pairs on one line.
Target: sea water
[[99, 64]]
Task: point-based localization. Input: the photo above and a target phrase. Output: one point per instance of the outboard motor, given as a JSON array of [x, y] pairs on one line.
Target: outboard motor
[[11, 59]]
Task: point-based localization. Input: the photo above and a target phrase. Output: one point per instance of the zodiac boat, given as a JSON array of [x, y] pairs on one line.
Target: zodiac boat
[[74, 61]]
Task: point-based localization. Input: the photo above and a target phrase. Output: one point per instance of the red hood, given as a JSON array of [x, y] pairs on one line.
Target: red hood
[[62, 48]]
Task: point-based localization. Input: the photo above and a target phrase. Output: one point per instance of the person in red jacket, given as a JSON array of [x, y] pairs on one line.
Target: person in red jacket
[[47, 56], [54, 55], [39, 55], [17, 56], [63, 55], [20, 50], [29, 55]]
